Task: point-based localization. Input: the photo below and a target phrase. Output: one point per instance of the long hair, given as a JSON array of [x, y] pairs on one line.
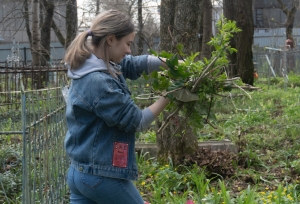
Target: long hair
[[104, 24]]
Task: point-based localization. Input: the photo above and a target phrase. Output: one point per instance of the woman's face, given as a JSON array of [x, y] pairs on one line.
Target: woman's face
[[119, 48]]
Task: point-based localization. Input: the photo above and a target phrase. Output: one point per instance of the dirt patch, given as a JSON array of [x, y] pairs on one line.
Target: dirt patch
[[220, 162]]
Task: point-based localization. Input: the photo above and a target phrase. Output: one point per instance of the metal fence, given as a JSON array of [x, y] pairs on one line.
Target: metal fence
[[56, 52], [276, 62], [33, 121]]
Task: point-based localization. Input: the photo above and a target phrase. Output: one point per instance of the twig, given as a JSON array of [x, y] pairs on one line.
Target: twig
[[165, 123], [199, 79], [211, 124], [165, 94], [233, 79], [249, 87], [185, 119], [243, 90]]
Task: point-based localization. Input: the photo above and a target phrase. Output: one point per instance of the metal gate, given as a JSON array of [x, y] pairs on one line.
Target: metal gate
[[38, 117]]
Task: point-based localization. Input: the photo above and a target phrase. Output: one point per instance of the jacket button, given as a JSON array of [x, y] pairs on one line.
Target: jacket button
[[80, 168]]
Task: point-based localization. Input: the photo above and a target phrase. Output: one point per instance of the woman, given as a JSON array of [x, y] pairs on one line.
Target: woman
[[102, 118]]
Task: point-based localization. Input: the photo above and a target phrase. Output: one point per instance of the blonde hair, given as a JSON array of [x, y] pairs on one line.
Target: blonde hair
[[105, 23]]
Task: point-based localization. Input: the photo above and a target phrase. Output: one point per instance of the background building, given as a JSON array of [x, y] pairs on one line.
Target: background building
[[269, 23], [13, 30]]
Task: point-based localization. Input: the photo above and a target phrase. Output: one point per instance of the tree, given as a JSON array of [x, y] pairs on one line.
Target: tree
[[289, 10], [205, 79], [98, 3], [35, 46], [229, 11], [207, 29], [180, 22], [42, 20], [289, 24], [243, 41], [140, 27], [47, 9], [71, 21], [142, 12], [71, 24], [38, 17]]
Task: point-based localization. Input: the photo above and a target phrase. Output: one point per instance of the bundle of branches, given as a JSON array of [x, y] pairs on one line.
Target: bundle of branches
[[205, 78]]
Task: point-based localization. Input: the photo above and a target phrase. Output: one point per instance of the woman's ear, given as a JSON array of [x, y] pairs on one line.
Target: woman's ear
[[110, 39]]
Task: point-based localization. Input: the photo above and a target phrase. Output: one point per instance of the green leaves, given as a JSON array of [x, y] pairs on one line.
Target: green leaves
[[159, 82], [205, 78], [177, 71]]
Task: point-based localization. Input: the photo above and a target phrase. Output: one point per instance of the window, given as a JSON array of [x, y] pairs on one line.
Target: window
[[258, 18]]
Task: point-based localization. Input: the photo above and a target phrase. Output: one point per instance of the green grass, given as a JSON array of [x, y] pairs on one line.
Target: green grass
[[265, 128]]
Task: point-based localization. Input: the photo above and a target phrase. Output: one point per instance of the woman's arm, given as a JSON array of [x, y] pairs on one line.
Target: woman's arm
[[157, 107], [149, 114]]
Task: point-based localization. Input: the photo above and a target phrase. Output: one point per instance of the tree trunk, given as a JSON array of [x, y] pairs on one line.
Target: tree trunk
[[244, 40], [27, 23], [140, 26], [71, 21], [171, 143], [58, 33], [229, 11], [290, 14], [46, 31], [207, 29], [175, 146], [46, 15], [167, 17], [187, 23], [241, 63], [35, 47], [97, 7]]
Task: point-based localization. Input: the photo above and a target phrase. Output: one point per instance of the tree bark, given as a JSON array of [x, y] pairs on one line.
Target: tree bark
[[98, 7], [229, 11], [187, 22], [290, 14], [58, 33], [167, 17], [175, 146], [35, 47], [244, 40], [71, 21], [140, 26], [48, 7], [241, 63], [207, 29], [27, 23], [183, 28]]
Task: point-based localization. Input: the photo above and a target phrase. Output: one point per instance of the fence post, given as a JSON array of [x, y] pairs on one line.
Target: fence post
[[25, 57], [284, 69], [25, 184]]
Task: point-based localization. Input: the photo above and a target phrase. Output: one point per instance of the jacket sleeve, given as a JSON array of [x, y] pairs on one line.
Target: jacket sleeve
[[116, 107], [134, 66]]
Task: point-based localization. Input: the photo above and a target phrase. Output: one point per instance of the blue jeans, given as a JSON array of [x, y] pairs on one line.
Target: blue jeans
[[91, 189]]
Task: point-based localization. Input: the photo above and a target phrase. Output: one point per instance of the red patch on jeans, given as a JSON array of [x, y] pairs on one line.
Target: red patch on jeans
[[120, 154]]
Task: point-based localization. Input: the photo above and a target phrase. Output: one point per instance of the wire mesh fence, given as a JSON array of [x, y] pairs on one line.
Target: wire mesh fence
[[32, 131], [276, 62]]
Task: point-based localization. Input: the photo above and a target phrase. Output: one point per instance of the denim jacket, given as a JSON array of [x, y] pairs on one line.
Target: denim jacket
[[101, 115]]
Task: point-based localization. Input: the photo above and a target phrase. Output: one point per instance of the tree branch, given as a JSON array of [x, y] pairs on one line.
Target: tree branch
[[58, 33]]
